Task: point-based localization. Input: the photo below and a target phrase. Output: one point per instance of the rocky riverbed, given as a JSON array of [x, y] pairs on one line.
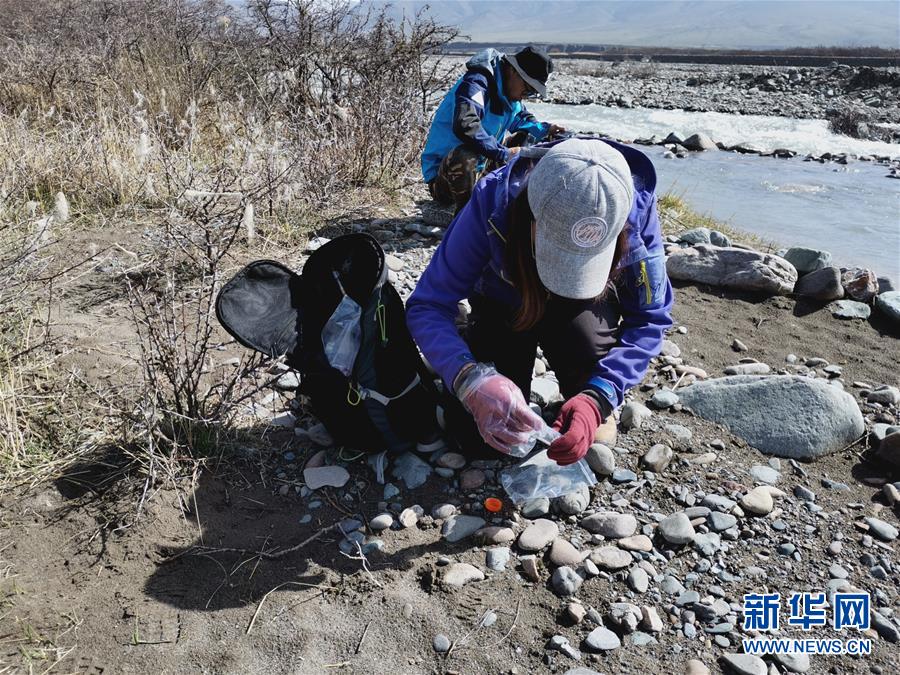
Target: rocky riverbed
[[747, 90]]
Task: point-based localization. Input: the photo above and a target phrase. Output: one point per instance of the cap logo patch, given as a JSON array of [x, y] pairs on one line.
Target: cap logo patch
[[589, 232]]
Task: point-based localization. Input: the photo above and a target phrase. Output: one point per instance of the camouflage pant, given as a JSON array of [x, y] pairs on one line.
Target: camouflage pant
[[456, 178], [458, 173]]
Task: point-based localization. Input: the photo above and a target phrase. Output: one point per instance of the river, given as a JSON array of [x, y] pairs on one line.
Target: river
[[851, 210]]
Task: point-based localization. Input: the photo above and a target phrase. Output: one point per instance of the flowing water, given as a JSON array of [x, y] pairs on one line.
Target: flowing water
[[851, 210]]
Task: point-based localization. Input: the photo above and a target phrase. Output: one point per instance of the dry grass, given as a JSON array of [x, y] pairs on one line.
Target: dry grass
[[676, 216]]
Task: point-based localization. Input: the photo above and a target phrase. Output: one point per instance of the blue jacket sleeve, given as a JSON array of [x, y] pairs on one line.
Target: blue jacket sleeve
[[468, 111], [525, 121], [451, 275], [646, 300]]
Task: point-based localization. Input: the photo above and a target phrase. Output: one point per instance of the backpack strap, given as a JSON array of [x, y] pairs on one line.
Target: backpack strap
[[357, 394]]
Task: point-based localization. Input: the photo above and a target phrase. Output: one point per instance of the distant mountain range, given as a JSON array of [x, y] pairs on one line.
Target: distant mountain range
[[712, 24]]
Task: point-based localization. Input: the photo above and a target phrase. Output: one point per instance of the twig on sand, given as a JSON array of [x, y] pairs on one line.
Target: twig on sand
[[342, 664], [365, 562], [286, 583], [512, 627], [267, 555], [363, 637]]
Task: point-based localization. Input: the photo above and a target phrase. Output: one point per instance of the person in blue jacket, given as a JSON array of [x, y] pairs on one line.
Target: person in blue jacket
[[471, 122], [560, 248]]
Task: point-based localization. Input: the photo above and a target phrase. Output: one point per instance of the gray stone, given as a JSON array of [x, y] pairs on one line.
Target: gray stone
[[697, 235], [824, 284], [708, 543], [881, 529], [460, 574], [716, 238], [575, 502], [602, 640], [610, 524], [536, 508], [494, 534], [496, 558], [884, 394], [784, 415], [537, 535], [325, 476], [806, 260], [634, 415], [748, 369], [849, 309], [793, 663], [765, 474], [745, 664], [671, 585], [561, 644], [638, 580], [888, 304], [677, 529], [664, 399], [687, 598], [721, 521], [409, 517], [804, 493], [658, 457], [451, 460], [443, 511], [759, 500], [441, 643], [601, 460], [885, 627], [622, 475], [563, 553], [565, 581], [733, 268], [457, 528], [411, 469], [382, 521], [699, 142], [860, 284], [718, 502], [611, 558]]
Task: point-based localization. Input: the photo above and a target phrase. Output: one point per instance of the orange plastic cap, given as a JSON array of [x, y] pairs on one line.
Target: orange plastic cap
[[493, 504]]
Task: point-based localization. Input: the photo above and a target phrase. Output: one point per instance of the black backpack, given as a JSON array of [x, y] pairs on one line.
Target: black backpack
[[388, 401]]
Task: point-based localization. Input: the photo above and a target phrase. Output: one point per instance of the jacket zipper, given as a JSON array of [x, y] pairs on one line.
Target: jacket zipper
[[645, 281]]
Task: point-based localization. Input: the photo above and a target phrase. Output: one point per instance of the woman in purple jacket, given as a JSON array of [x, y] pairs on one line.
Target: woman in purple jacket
[[559, 248]]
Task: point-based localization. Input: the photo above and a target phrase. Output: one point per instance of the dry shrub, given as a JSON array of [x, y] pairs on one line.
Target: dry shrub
[[186, 113]]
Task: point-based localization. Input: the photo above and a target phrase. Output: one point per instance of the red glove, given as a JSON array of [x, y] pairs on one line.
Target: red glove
[[578, 421]]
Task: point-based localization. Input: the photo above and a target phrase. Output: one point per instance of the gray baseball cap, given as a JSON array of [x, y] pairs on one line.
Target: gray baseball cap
[[581, 193]]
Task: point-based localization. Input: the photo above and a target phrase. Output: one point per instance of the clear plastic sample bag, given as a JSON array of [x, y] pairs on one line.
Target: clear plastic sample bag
[[342, 333], [540, 476]]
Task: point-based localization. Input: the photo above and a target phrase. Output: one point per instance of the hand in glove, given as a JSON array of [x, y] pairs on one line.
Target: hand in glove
[[503, 417], [578, 421]]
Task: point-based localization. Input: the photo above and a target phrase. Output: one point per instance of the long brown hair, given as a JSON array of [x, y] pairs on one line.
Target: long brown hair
[[521, 265]]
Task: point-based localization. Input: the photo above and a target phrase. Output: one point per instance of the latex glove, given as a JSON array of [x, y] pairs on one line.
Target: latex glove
[[578, 421], [501, 413]]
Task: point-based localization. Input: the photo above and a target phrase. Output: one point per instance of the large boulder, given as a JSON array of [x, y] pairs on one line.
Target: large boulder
[[860, 284], [699, 142], [888, 304], [807, 260], [823, 284], [783, 415], [733, 268]]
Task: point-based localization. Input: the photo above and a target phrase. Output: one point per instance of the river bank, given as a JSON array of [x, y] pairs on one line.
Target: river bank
[[443, 586]]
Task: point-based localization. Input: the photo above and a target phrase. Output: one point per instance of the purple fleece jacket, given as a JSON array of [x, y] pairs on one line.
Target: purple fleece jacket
[[470, 259]]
